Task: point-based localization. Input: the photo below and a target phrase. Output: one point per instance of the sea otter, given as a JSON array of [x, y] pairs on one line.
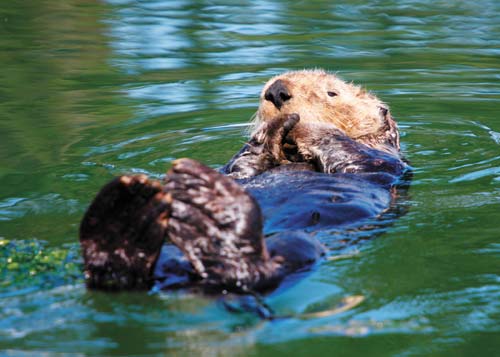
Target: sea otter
[[323, 153]]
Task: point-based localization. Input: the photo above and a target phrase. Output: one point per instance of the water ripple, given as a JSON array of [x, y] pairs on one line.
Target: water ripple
[[13, 208]]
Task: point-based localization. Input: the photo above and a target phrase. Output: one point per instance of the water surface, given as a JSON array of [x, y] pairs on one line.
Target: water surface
[[92, 89]]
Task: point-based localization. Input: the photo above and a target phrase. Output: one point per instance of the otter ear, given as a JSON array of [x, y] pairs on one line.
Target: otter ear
[[383, 111], [391, 132]]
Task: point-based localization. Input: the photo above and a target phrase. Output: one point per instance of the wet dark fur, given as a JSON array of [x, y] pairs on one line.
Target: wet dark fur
[[243, 230]]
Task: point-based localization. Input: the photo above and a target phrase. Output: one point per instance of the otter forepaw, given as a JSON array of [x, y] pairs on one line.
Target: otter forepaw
[[264, 151], [272, 134], [312, 139], [122, 232]]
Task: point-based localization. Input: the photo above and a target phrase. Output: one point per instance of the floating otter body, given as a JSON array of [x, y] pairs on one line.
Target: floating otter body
[[323, 154]]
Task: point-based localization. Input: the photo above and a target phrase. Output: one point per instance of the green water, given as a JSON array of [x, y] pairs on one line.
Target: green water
[[91, 89]]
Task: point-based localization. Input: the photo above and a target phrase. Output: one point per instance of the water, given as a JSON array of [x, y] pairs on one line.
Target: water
[[89, 90]]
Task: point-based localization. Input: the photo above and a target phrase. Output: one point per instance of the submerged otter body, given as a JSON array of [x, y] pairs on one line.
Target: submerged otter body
[[295, 204], [296, 200], [316, 201], [311, 164]]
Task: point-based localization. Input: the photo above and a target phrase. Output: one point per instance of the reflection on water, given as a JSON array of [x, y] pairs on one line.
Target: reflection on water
[[92, 89]]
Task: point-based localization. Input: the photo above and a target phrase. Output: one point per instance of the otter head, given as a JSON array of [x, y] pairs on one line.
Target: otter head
[[319, 96]]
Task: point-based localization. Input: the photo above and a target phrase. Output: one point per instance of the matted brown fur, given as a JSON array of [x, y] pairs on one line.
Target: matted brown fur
[[318, 96]]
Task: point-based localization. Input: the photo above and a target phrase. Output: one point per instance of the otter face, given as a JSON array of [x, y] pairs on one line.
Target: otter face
[[319, 96]]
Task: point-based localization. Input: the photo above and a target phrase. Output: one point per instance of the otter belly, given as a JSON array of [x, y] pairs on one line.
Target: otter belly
[[295, 200]]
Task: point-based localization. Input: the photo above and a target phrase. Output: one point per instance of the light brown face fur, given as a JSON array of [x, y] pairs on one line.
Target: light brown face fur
[[319, 96]]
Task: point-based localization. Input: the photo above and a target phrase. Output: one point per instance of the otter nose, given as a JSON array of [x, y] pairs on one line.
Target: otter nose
[[277, 93]]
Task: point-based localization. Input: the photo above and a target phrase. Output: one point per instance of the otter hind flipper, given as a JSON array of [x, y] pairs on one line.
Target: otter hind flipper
[[218, 226], [122, 232]]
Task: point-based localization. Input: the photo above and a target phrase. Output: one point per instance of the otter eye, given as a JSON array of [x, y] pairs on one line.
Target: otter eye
[[332, 94]]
